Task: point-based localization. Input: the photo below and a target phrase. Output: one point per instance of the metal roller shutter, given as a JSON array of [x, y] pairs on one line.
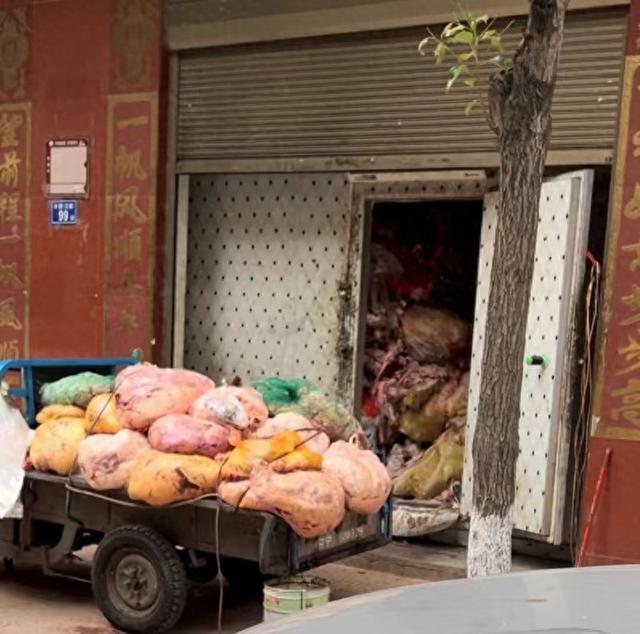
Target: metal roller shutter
[[371, 94]]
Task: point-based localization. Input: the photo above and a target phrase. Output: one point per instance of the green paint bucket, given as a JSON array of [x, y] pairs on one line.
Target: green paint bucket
[[293, 595]]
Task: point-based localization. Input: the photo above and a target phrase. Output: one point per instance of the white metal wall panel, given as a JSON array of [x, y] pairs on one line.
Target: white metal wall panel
[[372, 94], [266, 256], [544, 417]]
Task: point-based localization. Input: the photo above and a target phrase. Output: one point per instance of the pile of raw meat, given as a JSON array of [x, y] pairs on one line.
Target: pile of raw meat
[[416, 370], [167, 436]]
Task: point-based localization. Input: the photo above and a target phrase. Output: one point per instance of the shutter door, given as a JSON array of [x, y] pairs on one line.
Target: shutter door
[[372, 94]]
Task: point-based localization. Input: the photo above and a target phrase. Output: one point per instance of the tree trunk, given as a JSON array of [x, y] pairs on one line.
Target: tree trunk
[[520, 114]]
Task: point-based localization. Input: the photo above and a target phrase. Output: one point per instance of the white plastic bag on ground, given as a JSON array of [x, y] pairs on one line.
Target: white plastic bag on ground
[[16, 435]]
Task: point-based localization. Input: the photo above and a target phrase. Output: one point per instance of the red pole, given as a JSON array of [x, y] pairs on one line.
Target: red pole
[[588, 528]]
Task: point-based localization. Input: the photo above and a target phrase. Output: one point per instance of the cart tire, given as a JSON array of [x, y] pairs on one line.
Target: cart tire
[[139, 582]]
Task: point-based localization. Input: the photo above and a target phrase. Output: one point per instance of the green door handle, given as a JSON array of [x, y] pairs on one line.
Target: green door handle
[[537, 359]]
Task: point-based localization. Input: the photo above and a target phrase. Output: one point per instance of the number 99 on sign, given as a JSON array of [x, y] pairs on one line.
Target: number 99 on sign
[[64, 212]]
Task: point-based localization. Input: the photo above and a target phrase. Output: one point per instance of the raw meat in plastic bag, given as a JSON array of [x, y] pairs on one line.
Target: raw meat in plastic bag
[[106, 460], [145, 392], [330, 416], [164, 478], [180, 433], [101, 415], [220, 407], [430, 476], [423, 418], [312, 437], [233, 491], [311, 502], [51, 412], [252, 402], [241, 407], [55, 445], [433, 335], [365, 479]]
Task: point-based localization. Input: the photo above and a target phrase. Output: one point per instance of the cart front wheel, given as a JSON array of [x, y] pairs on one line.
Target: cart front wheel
[[139, 582]]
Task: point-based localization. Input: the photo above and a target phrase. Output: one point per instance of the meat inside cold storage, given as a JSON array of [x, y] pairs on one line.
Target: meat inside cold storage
[[421, 281], [552, 418]]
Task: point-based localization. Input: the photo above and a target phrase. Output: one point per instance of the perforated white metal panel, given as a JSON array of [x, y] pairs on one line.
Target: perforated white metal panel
[[541, 470], [266, 257]]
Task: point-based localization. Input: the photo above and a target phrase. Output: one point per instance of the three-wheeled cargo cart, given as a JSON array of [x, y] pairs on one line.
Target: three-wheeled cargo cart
[[146, 558]]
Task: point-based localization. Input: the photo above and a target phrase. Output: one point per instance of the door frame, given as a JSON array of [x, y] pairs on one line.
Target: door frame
[[366, 191], [180, 270]]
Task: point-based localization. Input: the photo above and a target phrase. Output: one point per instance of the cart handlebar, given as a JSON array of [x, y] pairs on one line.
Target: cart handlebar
[[30, 368]]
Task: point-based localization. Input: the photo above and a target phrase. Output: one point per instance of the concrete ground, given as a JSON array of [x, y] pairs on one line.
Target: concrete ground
[[32, 604]]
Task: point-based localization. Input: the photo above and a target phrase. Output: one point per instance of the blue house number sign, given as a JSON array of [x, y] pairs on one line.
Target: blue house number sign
[[64, 212]]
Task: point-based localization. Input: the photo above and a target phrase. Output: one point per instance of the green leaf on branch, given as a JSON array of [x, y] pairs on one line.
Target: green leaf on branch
[[499, 62], [463, 37], [471, 40], [451, 29], [440, 52], [455, 73], [496, 44], [465, 57]]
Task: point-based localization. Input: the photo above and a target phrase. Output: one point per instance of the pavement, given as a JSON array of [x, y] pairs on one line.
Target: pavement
[[31, 603]]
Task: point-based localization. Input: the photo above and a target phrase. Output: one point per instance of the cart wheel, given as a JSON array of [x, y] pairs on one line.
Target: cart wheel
[[139, 582]]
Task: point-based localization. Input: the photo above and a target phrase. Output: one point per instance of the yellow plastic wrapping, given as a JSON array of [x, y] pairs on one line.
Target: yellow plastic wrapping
[[423, 416], [249, 453], [430, 476], [55, 445], [101, 416], [52, 412], [160, 478], [433, 335], [301, 459]]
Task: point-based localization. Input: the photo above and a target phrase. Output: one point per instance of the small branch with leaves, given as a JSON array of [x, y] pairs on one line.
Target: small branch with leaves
[[474, 44]]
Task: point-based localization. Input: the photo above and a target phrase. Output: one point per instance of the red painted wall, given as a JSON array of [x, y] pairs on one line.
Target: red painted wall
[[68, 84], [616, 526], [81, 68]]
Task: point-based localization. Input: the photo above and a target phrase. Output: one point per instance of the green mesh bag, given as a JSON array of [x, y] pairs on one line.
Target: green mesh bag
[[331, 416], [77, 389], [303, 397], [282, 394]]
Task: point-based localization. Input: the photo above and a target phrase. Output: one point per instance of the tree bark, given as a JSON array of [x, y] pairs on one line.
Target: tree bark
[[520, 114]]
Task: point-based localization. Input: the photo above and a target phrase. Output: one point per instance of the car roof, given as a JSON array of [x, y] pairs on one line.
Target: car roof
[[566, 601]]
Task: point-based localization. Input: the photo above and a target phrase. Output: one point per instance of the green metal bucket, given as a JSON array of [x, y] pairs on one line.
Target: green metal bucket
[[283, 597]]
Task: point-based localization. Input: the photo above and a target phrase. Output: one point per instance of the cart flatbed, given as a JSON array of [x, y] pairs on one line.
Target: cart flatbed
[[55, 506]]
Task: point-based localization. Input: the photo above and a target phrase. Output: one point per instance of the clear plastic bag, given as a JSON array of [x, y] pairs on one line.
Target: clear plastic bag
[[16, 436]]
